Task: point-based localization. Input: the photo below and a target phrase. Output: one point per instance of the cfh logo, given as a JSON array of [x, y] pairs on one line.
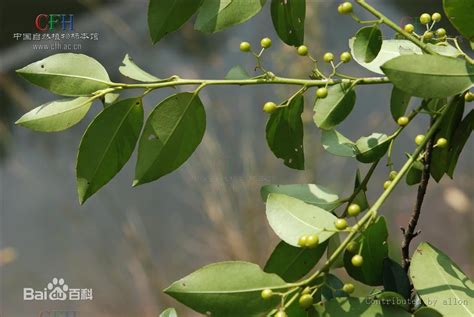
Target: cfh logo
[[48, 22], [57, 290]]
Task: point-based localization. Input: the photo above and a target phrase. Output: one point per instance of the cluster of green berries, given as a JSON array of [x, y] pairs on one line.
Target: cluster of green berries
[[441, 142], [391, 177], [357, 260], [469, 96], [308, 241], [425, 19], [264, 43], [345, 8]]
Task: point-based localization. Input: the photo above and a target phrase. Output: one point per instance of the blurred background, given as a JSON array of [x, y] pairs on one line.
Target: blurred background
[[128, 244]]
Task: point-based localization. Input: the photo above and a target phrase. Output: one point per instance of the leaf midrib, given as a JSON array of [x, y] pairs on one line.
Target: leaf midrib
[[69, 76]]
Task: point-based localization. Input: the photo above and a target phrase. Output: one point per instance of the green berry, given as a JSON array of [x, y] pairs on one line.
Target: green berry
[[469, 96], [345, 8], [409, 28], [312, 241], [269, 107], [245, 47], [266, 42], [419, 139], [306, 301], [281, 313], [428, 35], [353, 247], [436, 17], [441, 32], [340, 224], [322, 92], [386, 184], [306, 290], [267, 293], [442, 143], [357, 260], [353, 210], [403, 121], [346, 57], [302, 50], [302, 241], [425, 18], [348, 288], [392, 175], [328, 57]]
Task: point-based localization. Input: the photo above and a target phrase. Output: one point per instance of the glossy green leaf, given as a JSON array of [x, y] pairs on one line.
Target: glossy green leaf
[[372, 147], [107, 145], [361, 198], [368, 43], [284, 133], [441, 283], [217, 15], [415, 173], [290, 218], [131, 70], [374, 251], [288, 20], [459, 140], [399, 102], [56, 115], [333, 109], [67, 74], [237, 73], [166, 16], [360, 307], [227, 289], [292, 263], [337, 144], [334, 243], [172, 132], [395, 279], [440, 157], [309, 193], [331, 289], [170, 312], [429, 76], [459, 13], [427, 312]]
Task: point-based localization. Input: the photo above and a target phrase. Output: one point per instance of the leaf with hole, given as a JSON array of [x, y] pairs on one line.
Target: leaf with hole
[[368, 43], [372, 147], [131, 70], [332, 110], [288, 20]]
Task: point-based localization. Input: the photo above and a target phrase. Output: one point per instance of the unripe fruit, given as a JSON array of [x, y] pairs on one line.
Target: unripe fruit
[[419, 139], [312, 241], [469, 96], [353, 247], [266, 42], [428, 35], [302, 241], [269, 107], [436, 17], [387, 184], [357, 260], [442, 143], [345, 8], [281, 313], [346, 57], [306, 301], [306, 290], [322, 92], [441, 32], [353, 210], [328, 57], [403, 121], [348, 288], [392, 175], [425, 18], [340, 224], [267, 293], [245, 47], [302, 50], [409, 28]]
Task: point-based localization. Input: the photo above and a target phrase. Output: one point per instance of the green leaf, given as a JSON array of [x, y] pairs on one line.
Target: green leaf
[[227, 289], [333, 109], [56, 115], [107, 145], [172, 132], [389, 50], [67, 74], [217, 15], [360, 307], [131, 70], [434, 105], [429, 76], [292, 263], [331, 289], [441, 283], [392, 299], [440, 157], [288, 20], [395, 279], [459, 13], [427, 312], [374, 251], [284, 133], [166, 16], [399, 102], [337, 144], [309, 193], [372, 147], [109, 99], [170, 312], [459, 139], [415, 173], [361, 198], [291, 218], [368, 43], [445, 49], [237, 73], [334, 243]]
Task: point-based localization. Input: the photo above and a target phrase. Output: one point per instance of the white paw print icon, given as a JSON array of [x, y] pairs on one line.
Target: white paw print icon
[[58, 289]]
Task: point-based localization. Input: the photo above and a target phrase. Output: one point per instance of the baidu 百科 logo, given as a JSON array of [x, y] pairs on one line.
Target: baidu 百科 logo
[[57, 290]]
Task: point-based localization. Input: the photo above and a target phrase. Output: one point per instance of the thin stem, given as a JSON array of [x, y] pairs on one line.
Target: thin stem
[[467, 57]]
